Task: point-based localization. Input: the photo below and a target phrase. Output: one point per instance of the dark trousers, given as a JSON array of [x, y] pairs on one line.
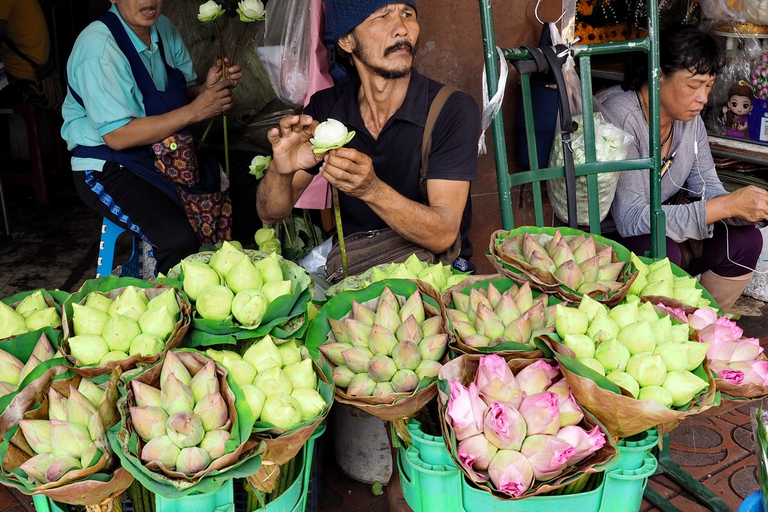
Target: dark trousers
[[161, 220], [724, 253]]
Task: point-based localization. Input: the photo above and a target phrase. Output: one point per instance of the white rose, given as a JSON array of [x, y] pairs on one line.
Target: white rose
[[209, 11], [251, 10]]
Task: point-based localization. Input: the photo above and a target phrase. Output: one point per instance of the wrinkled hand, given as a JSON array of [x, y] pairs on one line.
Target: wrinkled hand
[[213, 100], [351, 172], [750, 203], [234, 73], [291, 149]]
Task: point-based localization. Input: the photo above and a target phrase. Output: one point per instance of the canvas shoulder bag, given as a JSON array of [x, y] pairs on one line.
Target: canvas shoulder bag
[[48, 90]]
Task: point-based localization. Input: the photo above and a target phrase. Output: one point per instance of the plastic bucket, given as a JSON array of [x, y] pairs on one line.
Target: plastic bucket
[[45, 504], [362, 446], [211, 501], [753, 503], [634, 449], [428, 487], [431, 448], [624, 487]]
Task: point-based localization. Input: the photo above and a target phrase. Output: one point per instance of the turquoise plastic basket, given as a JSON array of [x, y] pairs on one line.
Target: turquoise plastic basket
[[429, 487], [217, 501], [432, 449], [633, 450], [624, 487]]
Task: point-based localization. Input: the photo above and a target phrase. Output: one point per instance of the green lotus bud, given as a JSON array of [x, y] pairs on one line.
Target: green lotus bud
[[161, 450], [330, 134], [488, 323], [663, 288], [302, 374], [673, 353], [312, 404], [255, 398], [98, 300], [87, 320], [11, 323], [149, 422], [241, 371], [570, 321], [79, 408], [476, 340], [38, 435], [506, 310], [583, 249], [602, 327], [687, 295], [660, 270], [542, 261], [406, 355], [160, 322], [88, 349], [581, 344], [679, 332], [414, 306], [333, 352], [32, 363], [10, 367], [197, 276], [359, 332], [570, 274], [624, 314], [212, 411], [387, 317], [433, 347], [192, 460], [147, 345], [434, 275], [696, 353], [475, 299], [405, 381], [460, 301], [43, 349], [662, 328], [647, 369], [656, 393], [381, 368], [274, 290], [414, 264], [35, 467], [96, 429], [342, 376], [289, 352], [57, 405], [410, 330], [361, 385], [612, 355], [205, 382], [131, 303], [357, 358], [249, 307], [531, 244], [91, 456], [646, 313], [175, 396], [172, 364], [46, 317], [263, 355], [119, 331], [432, 326], [624, 380], [637, 337], [594, 364], [362, 313], [167, 299], [427, 369], [214, 442], [611, 271], [60, 466], [273, 381], [282, 411], [31, 303], [225, 258], [214, 302], [91, 391], [184, 429], [638, 284], [591, 307], [269, 268], [69, 438], [382, 341], [245, 276], [383, 389], [218, 355], [263, 235], [683, 386]]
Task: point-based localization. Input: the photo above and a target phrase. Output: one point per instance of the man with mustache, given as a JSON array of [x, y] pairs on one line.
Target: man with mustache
[[378, 172]]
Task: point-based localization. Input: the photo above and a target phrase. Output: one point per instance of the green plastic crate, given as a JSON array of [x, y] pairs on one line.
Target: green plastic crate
[[431, 448], [633, 450], [624, 487], [217, 501], [45, 504], [428, 487]]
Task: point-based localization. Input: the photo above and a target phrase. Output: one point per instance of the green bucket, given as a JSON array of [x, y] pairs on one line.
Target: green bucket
[[431, 448], [634, 449], [428, 487], [624, 487]]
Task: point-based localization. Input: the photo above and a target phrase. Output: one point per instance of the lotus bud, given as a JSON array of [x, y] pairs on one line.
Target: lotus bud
[[312, 404], [583, 250], [477, 340], [673, 353], [637, 337], [185, 429], [584, 442], [69, 438], [79, 408], [646, 313], [591, 307], [405, 381], [274, 290], [541, 413], [132, 302], [282, 411], [492, 367], [476, 452], [519, 329], [460, 410], [460, 301], [593, 364], [663, 288], [409, 330], [11, 322], [218, 355], [214, 443], [488, 323], [540, 260], [414, 307], [755, 372], [289, 352], [570, 274], [506, 310], [161, 450], [657, 394], [383, 389], [433, 347], [149, 422], [91, 391], [434, 275], [561, 389], [562, 254], [696, 354], [387, 317], [342, 376], [612, 355], [640, 282], [98, 300], [192, 460], [225, 258], [701, 318], [465, 329], [197, 276], [581, 345], [428, 369], [269, 268], [624, 314], [38, 435], [504, 426], [6, 388], [359, 332], [249, 307], [113, 355], [240, 370], [167, 299], [456, 316], [524, 298], [302, 374], [406, 355], [361, 385], [87, 320], [381, 368], [214, 302], [548, 455], [88, 349], [119, 331], [357, 358], [333, 351], [536, 377], [570, 321], [175, 396], [46, 317], [683, 386], [31, 303], [511, 472], [570, 412], [475, 299], [679, 332], [263, 355], [212, 411], [147, 345], [362, 313], [589, 288], [205, 382], [173, 364], [647, 369], [273, 381], [35, 467], [32, 363], [146, 395], [60, 466], [255, 398], [531, 244], [625, 381], [687, 295], [662, 328]]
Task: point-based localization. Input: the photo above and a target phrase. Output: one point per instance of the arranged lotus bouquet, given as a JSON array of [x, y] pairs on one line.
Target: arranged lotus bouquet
[[25, 358], [382, 347], [632, 366], [30, 311], [242, 295], [496, 315], [563, 261], [515, 429], [122, 322], [185, 426], [661, 281]]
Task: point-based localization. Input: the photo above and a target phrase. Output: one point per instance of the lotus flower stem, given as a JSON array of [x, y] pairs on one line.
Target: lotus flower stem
[[311, 226], [239, 43], [223, 77], [340, 231], [109, 505]]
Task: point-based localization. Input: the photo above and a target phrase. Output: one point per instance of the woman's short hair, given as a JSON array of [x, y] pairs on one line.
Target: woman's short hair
[[681, 47]]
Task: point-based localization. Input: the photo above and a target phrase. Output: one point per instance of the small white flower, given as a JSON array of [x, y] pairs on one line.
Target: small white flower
[[258, 165], [330, 134], [251, 10], [209, 11]]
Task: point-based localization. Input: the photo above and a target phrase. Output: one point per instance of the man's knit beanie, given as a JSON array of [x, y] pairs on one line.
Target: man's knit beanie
[[347, 14]]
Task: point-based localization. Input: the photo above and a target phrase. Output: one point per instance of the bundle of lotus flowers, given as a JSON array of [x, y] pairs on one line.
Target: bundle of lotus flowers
[[657, 279], [33, 312], [13, 371]]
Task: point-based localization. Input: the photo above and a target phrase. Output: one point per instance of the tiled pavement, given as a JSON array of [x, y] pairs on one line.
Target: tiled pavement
[[55, 246]]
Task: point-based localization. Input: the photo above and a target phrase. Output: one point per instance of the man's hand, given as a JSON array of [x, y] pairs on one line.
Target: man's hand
[[351, 172], [234, 73], [291, 149]]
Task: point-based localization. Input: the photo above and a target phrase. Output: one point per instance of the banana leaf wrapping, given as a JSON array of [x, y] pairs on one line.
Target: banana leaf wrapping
[[372, 275], [505, 252], [241, 460], [91, 486], [463, 369], [615, 408], [506, 349], [286, 316], [112, 287], [393, 407]]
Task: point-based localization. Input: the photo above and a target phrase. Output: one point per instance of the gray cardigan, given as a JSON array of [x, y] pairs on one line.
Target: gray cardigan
[[631, 206]]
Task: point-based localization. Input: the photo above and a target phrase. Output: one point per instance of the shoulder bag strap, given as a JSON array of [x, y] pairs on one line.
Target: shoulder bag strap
[[426, 142], [18, 52]]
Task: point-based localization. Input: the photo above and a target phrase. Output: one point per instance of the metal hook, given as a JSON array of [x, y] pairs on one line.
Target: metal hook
[[536, 13]]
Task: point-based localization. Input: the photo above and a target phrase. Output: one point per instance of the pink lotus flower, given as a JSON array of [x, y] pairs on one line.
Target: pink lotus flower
[[560, 388], [492, 367], [721, 330], [548, 455], [511, 472], [570, 412], [701, 318], [745, 349], [536, 377], [466, 410], [727, 373], [755, 372], [680, 313], [584, 442], [504, 426], [476, 452], [541, 413]]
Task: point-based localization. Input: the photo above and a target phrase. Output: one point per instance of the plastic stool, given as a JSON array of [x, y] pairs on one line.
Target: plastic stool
[[104, 265]]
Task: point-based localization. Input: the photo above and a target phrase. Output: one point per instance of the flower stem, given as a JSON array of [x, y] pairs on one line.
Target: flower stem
[[340, 230], [239, 43], [223, 77]]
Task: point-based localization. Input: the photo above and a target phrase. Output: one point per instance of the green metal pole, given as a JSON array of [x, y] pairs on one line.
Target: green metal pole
[[658, 221]]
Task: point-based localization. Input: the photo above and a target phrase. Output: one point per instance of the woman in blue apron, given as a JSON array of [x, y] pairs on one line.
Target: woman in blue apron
[[131, 98]]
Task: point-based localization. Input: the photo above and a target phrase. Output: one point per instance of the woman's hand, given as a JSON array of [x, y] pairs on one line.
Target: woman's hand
[[234, 73], [748, 203], [212, 101], [291, 149]]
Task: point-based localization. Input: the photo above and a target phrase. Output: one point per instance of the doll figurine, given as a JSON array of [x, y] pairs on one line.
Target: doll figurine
[[740, 99]]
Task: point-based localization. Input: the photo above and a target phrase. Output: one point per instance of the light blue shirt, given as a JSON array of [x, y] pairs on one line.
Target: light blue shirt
[[101, 74]]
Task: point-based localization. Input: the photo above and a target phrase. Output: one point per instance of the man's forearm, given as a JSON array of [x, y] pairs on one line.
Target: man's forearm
[[275, 196]]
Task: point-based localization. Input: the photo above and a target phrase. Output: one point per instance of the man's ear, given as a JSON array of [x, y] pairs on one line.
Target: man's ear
[[346, 42]]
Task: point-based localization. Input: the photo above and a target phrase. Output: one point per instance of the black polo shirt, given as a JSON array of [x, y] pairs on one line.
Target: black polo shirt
[[396, 154]]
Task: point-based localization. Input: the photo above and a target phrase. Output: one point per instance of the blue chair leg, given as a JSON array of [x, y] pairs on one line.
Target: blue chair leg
[[109, 233]]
